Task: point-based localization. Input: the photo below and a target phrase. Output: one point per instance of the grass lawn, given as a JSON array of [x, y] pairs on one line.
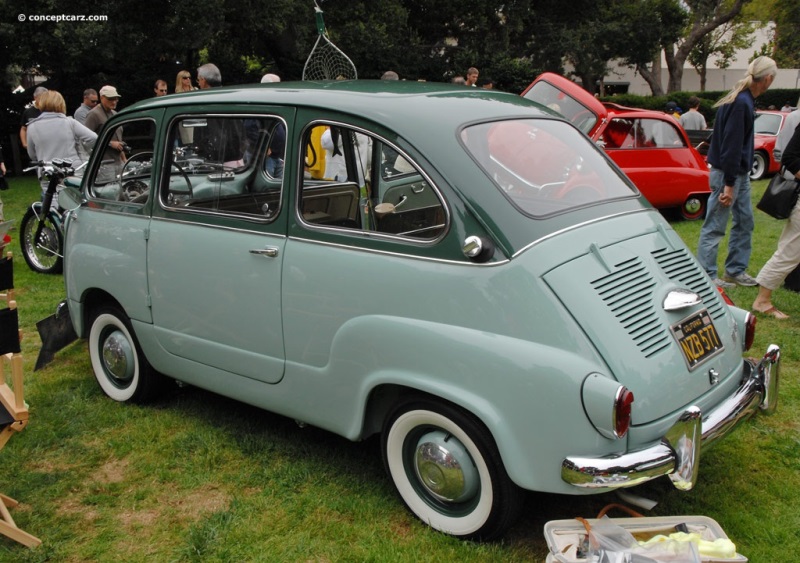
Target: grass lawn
[[196, 477]]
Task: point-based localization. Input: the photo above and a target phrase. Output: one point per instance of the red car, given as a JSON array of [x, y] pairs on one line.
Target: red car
[[650, 147], [768, 124]]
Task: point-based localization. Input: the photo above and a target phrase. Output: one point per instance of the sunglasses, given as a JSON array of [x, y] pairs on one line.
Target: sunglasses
[[185, 77], [94, 102]]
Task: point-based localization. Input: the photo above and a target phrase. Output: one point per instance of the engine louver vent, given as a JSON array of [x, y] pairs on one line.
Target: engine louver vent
[[628, 293]]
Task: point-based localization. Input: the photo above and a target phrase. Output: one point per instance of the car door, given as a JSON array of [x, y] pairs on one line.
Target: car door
[[215, 248], [358, 239], [111, 226]]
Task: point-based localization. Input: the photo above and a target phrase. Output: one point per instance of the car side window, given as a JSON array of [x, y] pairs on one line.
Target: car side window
[[619, 134], [641, 134], [225, 164], [357, 181], [658, 133], [125, 175]]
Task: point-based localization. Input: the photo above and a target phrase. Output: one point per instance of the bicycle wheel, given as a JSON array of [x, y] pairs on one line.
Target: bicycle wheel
[[44, 255]]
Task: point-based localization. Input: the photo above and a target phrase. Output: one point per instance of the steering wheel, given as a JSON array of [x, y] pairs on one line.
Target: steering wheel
[[143, 156], [133, 189]]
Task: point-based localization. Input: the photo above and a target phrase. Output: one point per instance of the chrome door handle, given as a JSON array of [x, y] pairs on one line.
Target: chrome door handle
[[269, 252]]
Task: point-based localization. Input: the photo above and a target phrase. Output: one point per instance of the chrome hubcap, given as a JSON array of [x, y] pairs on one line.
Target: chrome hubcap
[[693, 205], [118, 358], [445, 468]]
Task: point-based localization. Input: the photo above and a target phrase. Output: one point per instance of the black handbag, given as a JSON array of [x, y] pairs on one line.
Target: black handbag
[[3, 183], [780, 196]]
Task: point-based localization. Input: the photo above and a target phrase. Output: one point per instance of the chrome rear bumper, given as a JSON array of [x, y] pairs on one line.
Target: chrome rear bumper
[[679, 451]]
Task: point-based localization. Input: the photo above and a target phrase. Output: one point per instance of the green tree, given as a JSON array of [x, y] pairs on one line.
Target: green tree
[[627, 30], [723, 42], [786, 15], [559, 36], [452, 35], [590, 35], [704, 17], [662, 22]]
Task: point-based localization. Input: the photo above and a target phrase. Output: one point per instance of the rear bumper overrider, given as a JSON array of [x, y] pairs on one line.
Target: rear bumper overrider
[[677, 455]]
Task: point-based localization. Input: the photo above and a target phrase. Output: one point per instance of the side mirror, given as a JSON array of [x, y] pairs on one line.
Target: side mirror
[[73, 181], [69, 198]]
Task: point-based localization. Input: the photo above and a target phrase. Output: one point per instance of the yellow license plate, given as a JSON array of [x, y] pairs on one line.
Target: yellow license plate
[[697, 338]]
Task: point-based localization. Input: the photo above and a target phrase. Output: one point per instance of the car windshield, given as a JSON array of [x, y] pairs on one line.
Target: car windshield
[[767, 123], [544, 166], [559, 101]]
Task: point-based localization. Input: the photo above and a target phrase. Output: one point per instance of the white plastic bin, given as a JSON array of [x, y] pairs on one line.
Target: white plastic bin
[[564, 537]]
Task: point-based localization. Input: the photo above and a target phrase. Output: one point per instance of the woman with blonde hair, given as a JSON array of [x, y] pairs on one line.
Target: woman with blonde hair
[[730, 158], [53, 135], [183, 82]]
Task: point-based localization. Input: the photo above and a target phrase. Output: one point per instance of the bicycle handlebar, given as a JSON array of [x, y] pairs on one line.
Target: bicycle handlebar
[[62, 164]]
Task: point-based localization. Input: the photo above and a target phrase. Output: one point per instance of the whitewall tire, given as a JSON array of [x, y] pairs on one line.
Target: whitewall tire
[[446, 468], [119, 365]]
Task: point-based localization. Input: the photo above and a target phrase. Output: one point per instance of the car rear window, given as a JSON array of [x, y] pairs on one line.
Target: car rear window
[[544, 166]]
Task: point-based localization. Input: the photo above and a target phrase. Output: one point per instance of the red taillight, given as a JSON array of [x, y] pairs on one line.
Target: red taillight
[[622, 411], [725, 297], [749, 330]]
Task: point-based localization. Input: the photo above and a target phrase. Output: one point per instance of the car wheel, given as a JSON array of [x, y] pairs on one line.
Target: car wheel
[[759, 169], [694, 208], [447, 469], [119, 365]]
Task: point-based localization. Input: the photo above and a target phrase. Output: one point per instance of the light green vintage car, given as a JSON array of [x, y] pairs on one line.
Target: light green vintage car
[[462, 272]]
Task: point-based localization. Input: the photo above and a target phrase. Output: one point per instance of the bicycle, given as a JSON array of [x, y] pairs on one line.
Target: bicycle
[[41, 232]]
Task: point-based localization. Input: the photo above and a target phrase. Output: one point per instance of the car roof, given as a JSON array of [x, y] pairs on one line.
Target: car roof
[[448, 104]]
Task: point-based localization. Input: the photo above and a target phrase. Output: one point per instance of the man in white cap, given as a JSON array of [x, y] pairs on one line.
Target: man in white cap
[[270, 78], [107, 107], [95, 120]]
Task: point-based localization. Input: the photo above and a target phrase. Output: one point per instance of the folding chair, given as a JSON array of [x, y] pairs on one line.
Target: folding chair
[[13, 410]]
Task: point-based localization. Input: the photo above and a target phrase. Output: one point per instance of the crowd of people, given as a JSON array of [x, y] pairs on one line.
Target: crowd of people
[[208, 76]]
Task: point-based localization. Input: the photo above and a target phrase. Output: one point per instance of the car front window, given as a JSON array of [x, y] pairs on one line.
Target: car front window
[[559, 101], [125, 175], [767, 123], [543, 166]]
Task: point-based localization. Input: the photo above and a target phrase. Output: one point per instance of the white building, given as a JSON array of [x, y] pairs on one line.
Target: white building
[[624, 78]]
